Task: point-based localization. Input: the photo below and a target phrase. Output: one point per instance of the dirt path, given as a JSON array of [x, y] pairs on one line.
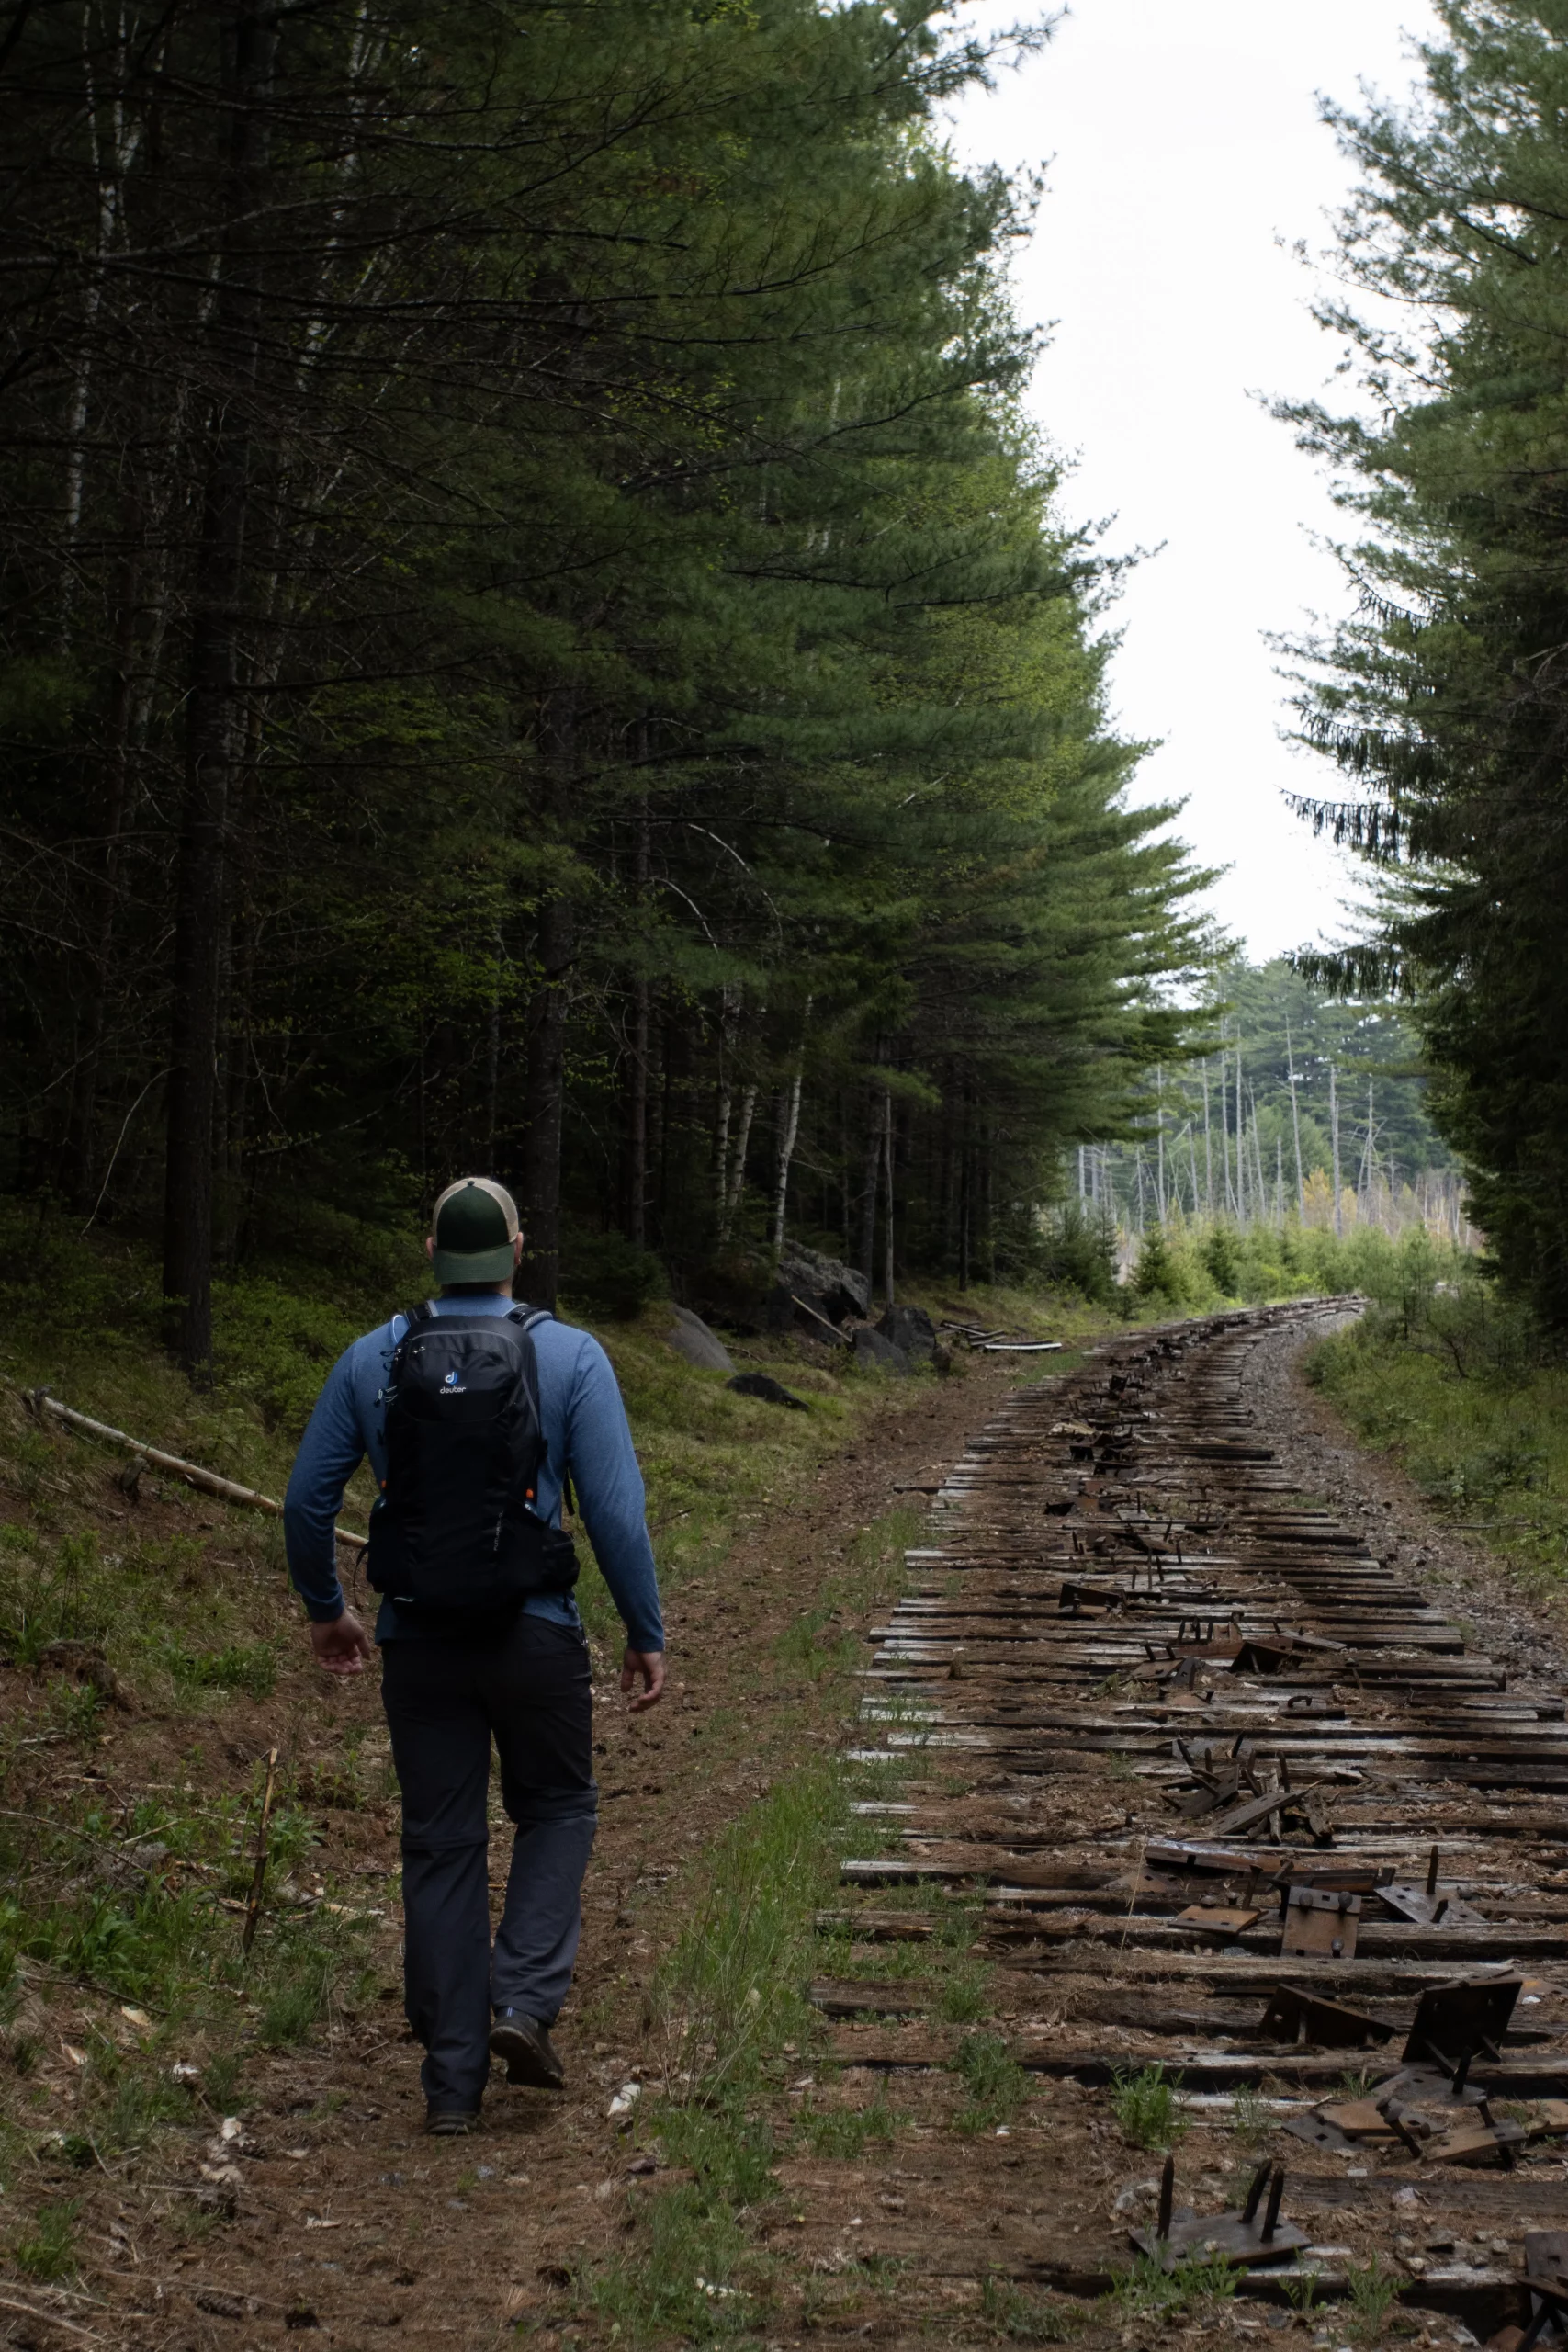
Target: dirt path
[[331, 2217]]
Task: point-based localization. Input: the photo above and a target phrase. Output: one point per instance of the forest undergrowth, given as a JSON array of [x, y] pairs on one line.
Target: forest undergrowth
[[1461, 1385]]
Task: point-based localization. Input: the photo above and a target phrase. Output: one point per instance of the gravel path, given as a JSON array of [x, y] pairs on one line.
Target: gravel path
[[1522, 1632]]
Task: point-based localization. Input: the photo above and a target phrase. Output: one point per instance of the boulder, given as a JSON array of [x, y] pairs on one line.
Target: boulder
[[771, 1391], [911, 1329], [873, 1353], [804, 1313], [690, 1337], [826, 1284]]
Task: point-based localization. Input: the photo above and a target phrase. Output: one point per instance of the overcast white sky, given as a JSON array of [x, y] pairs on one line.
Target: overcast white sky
[[1182, 143]]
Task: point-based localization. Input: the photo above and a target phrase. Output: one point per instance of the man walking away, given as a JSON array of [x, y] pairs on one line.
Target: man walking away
[[475, 1411]]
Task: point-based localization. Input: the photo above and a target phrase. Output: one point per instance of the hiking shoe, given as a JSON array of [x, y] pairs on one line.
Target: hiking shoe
[[451, 2122], [525, 2046]]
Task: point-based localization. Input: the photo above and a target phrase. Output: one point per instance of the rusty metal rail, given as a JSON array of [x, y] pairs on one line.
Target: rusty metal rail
[[1235, 1796]]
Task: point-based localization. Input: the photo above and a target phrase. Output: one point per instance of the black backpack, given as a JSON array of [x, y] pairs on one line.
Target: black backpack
[[452, 1528]]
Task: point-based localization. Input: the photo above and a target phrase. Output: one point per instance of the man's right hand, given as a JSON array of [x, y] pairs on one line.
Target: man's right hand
[[650, 1665]]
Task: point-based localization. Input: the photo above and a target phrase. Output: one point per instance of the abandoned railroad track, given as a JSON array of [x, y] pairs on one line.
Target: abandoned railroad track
[[1237, 1801]]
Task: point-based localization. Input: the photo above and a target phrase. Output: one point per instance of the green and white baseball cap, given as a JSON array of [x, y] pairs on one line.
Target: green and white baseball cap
[[475, 1227]]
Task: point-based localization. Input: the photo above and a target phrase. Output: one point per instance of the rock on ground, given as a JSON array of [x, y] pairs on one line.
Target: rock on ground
[[690, 1337], [911, 1329], [834, 1289], [874, 1353], [771, 1391]]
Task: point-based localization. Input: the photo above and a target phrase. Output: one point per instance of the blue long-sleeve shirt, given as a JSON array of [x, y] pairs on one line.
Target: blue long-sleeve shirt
[[585, 1430]]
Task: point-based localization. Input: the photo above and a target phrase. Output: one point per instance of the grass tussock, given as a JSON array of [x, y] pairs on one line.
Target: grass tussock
[[1145, 2106], [1148, 2291], [1013, 2316]]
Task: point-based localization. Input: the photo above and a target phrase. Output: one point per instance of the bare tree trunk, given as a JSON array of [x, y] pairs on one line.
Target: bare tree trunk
[[887, 1199], [1334, 1137], [724, 1098], [1295, 1123], [1159, 1117], [82, 1154], [876, 1115], [788, 1123], [1225, 1133], [1207, 1150], [634, 1159], [492, 1055], [110, 171], [538, 1275], [737, 1184], [722, 1104], [539, 1272], [718, 1173], [230, 1235], [249, 46], [789, 1128], [422, 1119]]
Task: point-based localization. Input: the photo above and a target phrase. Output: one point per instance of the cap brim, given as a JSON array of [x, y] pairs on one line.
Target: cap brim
[[473, 1265]]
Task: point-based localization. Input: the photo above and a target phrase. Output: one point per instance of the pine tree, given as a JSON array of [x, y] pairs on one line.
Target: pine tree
[[1443, 698]]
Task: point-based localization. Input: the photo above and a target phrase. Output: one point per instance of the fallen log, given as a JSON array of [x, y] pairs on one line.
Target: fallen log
[[39, 1403]]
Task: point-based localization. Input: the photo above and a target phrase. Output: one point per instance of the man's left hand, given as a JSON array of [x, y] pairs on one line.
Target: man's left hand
[[342, 1647], [649, 1665]]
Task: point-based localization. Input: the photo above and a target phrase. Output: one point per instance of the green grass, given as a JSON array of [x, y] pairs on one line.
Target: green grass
[[1454, 1385], [47, 2250], [1252, 2120], [963, 1990], [730, 1990], [1146, 2108], [1374, 2292], [1148, 2292], [996, 2085], [845, 2132], [251, 1666], [684, 2282], [1015, 2316]]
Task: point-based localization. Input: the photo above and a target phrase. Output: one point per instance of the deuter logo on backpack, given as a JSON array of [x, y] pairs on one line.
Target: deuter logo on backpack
[[454, 1529]]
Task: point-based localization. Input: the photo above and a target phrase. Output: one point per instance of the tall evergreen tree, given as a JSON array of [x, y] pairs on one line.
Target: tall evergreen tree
[[1444, 698], [530, 633]]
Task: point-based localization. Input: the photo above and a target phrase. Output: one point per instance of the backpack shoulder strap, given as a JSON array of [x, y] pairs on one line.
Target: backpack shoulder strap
[[530, 1318], [413, 1318]]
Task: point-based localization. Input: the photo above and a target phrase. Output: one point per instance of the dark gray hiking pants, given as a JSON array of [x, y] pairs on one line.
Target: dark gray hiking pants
[[527, 1684]]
